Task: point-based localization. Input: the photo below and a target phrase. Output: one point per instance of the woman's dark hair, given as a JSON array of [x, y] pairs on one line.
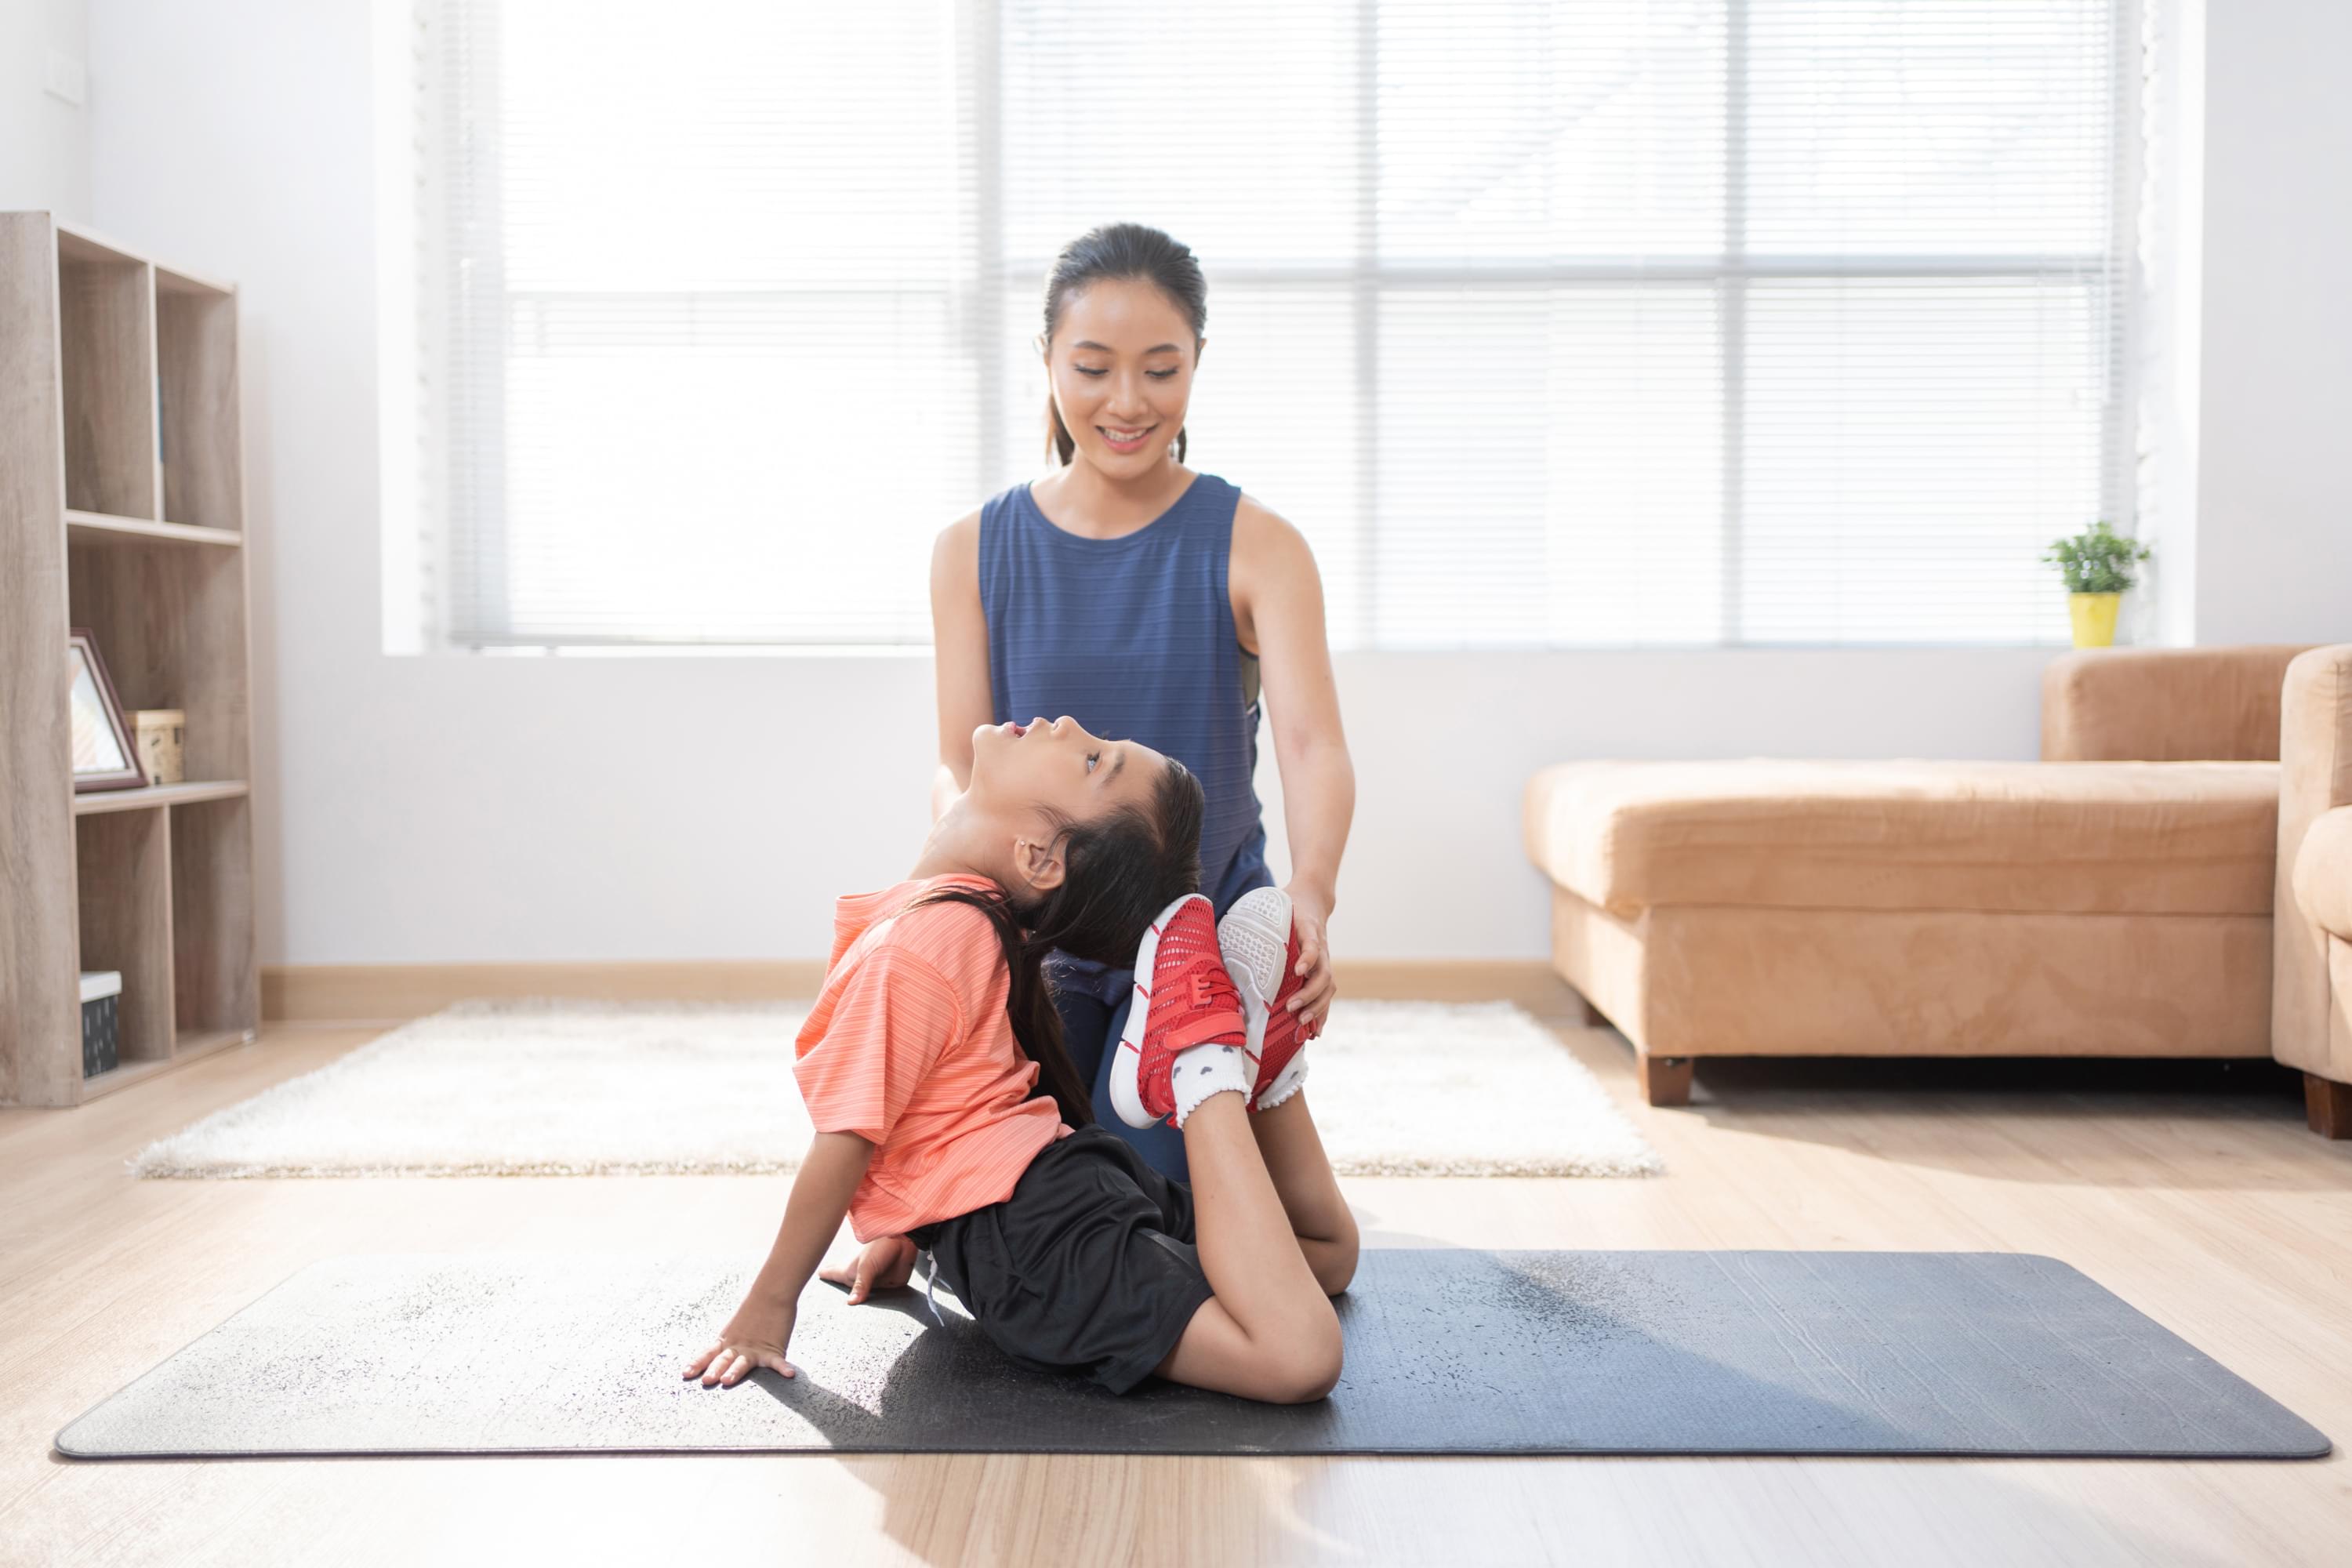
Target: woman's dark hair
[[1131, 251], [1118, 870]]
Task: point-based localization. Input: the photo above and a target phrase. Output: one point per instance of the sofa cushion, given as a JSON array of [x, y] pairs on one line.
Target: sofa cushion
[[2113, 838], [2164, 704], [2323, 873]]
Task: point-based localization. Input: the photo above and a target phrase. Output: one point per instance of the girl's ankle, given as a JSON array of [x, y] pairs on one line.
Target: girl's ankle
[[1206, 1070]]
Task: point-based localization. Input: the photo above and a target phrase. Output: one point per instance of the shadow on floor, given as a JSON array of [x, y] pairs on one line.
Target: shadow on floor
[[2127, 1122]]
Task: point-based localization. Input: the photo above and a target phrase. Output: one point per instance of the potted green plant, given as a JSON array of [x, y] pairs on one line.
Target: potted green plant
[[2097, 565]]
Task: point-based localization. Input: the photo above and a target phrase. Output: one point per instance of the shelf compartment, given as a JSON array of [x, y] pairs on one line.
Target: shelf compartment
[[129, 1073], [97, 529], [106, 322], [123, 869], [169, 621], [196, 357], [155, 797], [215, 971]]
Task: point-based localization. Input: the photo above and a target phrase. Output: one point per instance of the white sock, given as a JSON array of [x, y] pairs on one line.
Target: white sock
[[1288, 1082], [1208, 1070]]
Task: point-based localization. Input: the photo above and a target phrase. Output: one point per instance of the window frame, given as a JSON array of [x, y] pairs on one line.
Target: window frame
[[458, 101]]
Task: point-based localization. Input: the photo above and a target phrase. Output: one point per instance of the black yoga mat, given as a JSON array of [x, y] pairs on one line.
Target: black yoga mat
[[1448, 1352]]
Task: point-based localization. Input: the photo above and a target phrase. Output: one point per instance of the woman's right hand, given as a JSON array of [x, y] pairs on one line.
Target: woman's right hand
[[883, 1264]]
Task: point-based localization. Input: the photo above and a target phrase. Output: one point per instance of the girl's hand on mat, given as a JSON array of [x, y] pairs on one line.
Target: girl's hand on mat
[[883, 1263], [754, 1337], [1308, 911]]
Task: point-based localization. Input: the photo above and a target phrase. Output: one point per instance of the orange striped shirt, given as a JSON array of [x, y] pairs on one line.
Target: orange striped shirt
[[910, 1047]]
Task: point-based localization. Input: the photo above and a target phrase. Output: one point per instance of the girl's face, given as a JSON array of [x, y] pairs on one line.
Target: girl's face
[[1033, 773], [1120, 366]]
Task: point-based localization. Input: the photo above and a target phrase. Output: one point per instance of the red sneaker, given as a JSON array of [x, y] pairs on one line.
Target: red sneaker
[[1183, 998], [1261, 952]]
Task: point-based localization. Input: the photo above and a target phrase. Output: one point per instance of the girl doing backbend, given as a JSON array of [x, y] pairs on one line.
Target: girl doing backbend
[[949, 1117]]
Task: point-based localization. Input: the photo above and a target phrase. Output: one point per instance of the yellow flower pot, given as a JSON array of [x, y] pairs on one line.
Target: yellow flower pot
[[2094, 618]]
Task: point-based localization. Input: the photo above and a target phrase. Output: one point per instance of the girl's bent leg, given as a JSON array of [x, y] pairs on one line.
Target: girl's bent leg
[[1215, 1353], [1270, 1332], [1302, 1177]]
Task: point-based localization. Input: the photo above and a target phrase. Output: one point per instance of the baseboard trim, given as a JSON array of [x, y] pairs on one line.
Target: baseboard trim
[[395, 992], [372, 992]]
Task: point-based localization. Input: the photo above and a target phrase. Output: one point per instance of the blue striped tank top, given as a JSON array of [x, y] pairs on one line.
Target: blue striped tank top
[[1134, 639]]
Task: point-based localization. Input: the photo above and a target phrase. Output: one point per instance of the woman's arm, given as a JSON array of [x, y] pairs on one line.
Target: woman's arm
[[762, 1329], [960, 640], [1278, 612]]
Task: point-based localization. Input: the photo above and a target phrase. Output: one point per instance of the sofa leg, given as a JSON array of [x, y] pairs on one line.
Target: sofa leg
[[2328, 1106], [1665, 1080]]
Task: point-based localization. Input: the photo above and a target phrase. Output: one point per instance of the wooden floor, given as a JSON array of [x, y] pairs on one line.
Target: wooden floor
[[2194, 1193]]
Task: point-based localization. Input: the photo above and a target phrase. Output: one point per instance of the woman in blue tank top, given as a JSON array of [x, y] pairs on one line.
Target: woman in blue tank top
[[1150, 602]]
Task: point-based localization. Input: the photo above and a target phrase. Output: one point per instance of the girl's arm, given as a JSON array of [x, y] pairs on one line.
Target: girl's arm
[[960, 637], [762, 1328], [1278, 611]]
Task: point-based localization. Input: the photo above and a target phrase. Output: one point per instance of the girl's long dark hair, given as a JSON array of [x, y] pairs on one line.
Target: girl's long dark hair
[[1127, 251], [1118, 870]]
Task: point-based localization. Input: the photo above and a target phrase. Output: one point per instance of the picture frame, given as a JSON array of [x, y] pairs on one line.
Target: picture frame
[[105, 754]]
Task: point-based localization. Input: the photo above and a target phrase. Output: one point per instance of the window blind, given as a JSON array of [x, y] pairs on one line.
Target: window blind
[[1626, 322]]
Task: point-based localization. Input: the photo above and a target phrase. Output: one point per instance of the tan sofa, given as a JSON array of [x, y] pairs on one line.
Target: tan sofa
[[2311, 1009], [2114, 899]]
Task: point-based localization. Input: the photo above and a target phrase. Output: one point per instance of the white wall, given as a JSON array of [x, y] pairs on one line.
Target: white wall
[[450, 807], [2274, 530], [44, 139]]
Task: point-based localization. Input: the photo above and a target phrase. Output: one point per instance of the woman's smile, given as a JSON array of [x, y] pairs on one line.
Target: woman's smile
[[1125, 440]]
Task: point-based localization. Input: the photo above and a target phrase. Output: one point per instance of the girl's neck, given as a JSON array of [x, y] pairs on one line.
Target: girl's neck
[[932, 865], [948, 852]]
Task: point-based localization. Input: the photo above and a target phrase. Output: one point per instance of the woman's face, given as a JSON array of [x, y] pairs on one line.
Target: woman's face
[[1120, 365], [1018, 769]]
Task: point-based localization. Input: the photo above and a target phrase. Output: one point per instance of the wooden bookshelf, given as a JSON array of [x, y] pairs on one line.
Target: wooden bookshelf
[[121, 510]]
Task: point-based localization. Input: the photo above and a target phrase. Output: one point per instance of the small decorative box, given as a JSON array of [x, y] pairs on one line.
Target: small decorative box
[[102, 1021], [158, 732]]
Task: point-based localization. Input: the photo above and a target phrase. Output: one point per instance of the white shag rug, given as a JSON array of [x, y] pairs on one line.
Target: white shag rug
[[545, 1087]]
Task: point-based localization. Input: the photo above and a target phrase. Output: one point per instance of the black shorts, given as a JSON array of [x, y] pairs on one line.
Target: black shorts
[[1088, 1267]]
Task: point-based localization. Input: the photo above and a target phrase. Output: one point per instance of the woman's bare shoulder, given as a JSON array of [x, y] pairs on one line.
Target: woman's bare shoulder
[[1264, 537], [956, 550], [963, 531]]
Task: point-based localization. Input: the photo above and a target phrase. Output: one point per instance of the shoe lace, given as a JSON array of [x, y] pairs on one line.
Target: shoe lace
[[1210, 986]]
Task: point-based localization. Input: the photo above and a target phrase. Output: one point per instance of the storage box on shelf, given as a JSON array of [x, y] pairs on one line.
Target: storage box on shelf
[[101, 1044], [157, 735], [121, 510]]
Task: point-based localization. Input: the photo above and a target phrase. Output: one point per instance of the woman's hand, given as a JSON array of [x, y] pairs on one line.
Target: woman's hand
[[883, 1263], [1309, 909], [754, 1337]]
